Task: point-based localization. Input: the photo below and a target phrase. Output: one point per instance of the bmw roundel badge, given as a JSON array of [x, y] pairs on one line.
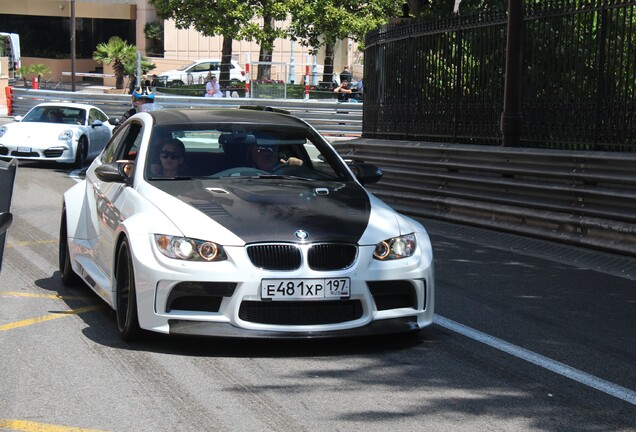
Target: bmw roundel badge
[[301, 235]]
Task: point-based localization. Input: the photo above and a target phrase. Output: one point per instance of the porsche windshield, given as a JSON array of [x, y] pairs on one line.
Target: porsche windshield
[[241, 151], [55, 114]]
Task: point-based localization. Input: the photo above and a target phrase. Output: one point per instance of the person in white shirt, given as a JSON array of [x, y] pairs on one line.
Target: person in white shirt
[[212, 88]]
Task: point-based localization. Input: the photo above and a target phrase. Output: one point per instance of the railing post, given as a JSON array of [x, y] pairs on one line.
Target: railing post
[[511, 118]]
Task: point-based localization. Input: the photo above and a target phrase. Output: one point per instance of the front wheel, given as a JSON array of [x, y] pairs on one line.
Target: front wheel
[[127, 317], [81, 153]]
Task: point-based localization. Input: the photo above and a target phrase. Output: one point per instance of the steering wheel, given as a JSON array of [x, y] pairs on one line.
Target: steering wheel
[[293, 170]]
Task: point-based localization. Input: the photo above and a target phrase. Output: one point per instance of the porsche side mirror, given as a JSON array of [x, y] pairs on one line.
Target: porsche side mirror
[[97, 123]]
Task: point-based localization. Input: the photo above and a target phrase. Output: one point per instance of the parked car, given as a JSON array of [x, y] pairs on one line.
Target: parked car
[[61, 132], [195, 73], [239, 222]]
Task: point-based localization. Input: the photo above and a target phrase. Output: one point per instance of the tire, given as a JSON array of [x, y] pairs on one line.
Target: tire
[[69, 277], [81, 153], [126, 301]]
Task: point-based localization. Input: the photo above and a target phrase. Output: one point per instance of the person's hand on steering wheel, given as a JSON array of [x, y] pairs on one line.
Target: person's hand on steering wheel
[[292, 161]]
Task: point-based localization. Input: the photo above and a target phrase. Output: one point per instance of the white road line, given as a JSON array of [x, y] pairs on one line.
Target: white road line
[[552, 365]]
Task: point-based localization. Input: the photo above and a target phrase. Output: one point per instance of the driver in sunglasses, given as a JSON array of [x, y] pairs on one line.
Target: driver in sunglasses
[[171, 153], [266, 158]]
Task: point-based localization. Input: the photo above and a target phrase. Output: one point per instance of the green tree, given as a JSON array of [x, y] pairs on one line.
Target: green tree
[[317, 23], [154, 34], [118, 53], [23, 71], [39, 70], [221, 18]]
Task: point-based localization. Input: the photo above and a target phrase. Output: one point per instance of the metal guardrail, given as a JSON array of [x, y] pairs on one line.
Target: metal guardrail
[[329, 118], [578, 197]]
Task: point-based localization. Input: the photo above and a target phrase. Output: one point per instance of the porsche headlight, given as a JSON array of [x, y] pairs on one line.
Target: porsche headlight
[[395, 248], [3, 130], [67, 135], [189, 249]]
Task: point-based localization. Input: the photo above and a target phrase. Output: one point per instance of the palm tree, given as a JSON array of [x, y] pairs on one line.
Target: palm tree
[[39, 70], [117, 52]]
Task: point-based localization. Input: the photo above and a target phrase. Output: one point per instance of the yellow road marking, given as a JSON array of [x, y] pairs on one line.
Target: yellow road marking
[[49, 317], [29, 426], [33, 295], [29, 243]]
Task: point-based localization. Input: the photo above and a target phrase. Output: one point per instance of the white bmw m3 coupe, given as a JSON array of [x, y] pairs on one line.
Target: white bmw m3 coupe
[[242, 223]]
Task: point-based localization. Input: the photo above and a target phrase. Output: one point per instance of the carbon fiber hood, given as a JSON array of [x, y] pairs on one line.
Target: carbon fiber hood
[[258, 210]]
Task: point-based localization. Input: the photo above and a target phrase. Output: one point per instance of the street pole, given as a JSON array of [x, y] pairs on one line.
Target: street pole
[[138, 82], [512, 118], [314, 72], [73, 55], [292, 68]]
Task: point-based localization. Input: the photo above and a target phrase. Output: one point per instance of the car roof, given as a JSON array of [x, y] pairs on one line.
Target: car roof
[[166, 117], [209, 60], [66, 105]]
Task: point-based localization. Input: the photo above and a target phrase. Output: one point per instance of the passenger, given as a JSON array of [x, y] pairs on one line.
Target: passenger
[[266, 158], [171, 155]]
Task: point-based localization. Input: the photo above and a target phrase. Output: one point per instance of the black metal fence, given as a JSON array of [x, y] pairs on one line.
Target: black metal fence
[[444, 80]]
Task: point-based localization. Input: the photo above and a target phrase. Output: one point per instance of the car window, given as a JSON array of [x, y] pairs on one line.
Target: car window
[[202, 67], [95, 114], [124, 144]]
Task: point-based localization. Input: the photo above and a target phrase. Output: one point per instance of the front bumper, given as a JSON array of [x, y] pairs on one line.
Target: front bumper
[[375, 328], [57, 153], [223, 299]]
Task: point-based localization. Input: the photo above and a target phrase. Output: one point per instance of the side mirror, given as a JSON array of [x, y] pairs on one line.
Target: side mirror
[[5, 221], [365, 173], [97, 123], [18, 118]]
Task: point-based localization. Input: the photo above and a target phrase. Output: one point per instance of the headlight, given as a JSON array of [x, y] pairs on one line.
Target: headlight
[[189, 249], [3, 130], [395, 248], [67, 135]]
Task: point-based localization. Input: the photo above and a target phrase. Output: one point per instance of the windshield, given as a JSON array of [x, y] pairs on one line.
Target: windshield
[[226, 151], [186, 66], [56, 114]]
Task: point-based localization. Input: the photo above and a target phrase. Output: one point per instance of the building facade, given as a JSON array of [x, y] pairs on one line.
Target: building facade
[[44, 29]]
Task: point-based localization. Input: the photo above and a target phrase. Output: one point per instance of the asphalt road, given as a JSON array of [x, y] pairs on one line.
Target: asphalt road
[[530, 336]]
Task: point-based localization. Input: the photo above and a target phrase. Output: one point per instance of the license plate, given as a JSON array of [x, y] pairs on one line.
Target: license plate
[[24, 149], [305, 289]]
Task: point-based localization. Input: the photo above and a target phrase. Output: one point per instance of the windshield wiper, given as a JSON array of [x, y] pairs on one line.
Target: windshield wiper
[[280, 176], [171, 178]]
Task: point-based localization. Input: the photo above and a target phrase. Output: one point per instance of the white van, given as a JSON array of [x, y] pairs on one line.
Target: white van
[[10, 47]]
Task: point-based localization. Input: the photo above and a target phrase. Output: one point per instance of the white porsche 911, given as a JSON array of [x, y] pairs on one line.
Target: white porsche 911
[[242, 223], [61, 132]]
